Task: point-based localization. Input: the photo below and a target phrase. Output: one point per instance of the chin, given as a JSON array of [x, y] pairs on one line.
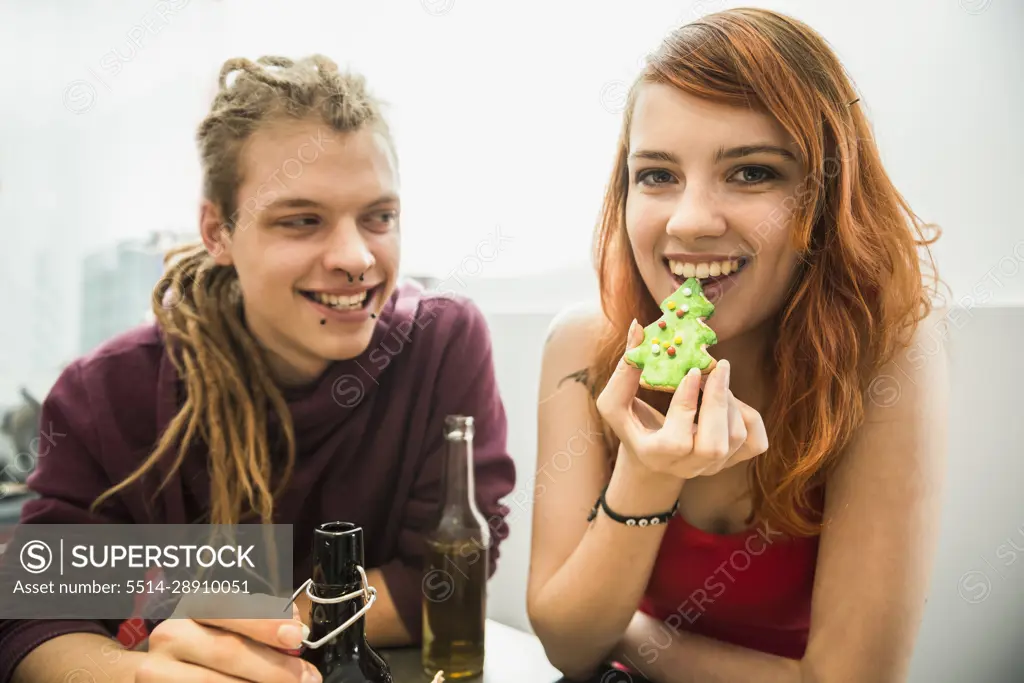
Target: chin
[[347, 348], [725, 327], [740, 320]]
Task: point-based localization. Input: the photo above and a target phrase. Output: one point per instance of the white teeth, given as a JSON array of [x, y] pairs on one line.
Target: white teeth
[[341, 301], [704, 269]]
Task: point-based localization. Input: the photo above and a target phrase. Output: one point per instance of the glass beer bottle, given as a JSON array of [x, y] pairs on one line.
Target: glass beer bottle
[[456, 567], [348, 657]]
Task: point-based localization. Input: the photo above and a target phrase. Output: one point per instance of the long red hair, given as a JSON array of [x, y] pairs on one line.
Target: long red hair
[[861, 291]]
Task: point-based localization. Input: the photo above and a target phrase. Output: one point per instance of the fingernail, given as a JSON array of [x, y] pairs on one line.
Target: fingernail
[[629, 334], [292, 635], [724, 364]]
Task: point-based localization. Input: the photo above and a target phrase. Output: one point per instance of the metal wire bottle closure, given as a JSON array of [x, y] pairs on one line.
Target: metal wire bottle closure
[[368, 592]]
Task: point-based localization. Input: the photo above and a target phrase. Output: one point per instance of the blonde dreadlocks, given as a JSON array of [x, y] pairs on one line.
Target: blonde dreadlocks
[[197, 304]]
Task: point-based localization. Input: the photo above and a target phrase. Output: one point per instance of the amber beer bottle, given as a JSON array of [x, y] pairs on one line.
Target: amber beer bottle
[[456, 567], [347, 658]]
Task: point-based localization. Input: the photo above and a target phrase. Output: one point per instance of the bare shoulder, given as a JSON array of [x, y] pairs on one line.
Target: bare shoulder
[[569, 348], [882, 514], [574, 321], [929, 349], [905, 413], [917, 377]]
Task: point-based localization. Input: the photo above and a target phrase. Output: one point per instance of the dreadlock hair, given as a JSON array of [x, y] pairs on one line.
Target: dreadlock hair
[[198, 305]]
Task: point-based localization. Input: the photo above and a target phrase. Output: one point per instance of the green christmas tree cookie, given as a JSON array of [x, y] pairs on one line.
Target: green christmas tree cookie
[[677, 341]]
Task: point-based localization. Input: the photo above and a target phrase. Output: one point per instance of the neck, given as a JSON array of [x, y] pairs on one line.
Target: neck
[[290, 373], [350, 641], [749, 355], [289, 367], [458, 477], [338, 554]]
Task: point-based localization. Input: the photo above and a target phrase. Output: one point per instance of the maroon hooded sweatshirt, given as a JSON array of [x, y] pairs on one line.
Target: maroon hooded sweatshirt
[[369, 438]]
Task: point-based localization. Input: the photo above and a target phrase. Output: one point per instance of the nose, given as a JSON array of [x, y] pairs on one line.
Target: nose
[[696, 214], [347, 250]]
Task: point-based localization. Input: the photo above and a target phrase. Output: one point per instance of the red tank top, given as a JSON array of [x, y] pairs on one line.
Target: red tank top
[[751, 588]]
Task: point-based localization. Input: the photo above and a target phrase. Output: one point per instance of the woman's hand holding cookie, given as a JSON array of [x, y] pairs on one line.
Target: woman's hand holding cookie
[[677, 443]]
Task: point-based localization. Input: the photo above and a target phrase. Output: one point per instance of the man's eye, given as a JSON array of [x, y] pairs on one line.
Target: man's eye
[[299, 221], [384, 218]]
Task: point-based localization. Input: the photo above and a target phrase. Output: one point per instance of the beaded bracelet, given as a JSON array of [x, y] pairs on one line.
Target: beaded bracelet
[[647, 520]]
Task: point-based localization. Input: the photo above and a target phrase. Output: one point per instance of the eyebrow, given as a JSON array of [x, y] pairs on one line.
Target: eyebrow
[[747, 150], [655, 155], [303, 203], [722, 153]]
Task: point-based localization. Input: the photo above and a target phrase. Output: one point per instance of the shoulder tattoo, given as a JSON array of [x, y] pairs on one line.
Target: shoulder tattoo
[[581, 376]]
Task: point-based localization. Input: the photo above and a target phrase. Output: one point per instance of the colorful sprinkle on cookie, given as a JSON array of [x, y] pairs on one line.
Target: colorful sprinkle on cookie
[[685, 343]]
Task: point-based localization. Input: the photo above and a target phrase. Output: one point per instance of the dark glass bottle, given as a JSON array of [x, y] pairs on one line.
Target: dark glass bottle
[[456, 567], [348, 658]]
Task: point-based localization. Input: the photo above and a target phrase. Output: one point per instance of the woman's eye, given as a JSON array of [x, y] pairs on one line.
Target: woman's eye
[[753, 175], [653, 177]]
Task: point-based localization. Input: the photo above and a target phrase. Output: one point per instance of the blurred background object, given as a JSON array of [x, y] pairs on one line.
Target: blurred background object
[[19, 434], [19, 451], [117, 284]]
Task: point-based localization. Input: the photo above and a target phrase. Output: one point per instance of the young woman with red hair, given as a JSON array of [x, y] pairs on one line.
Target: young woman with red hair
[[800, 494]]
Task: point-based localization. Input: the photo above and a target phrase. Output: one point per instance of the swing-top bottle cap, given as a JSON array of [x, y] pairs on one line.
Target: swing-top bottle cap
[[337, 551], [458, 427]]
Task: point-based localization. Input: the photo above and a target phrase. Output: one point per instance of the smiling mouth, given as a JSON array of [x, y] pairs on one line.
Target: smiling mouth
[[707, 272], [354, 301]]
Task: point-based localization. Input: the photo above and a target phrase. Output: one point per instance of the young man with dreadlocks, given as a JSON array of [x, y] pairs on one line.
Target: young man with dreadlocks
[[289, 378]]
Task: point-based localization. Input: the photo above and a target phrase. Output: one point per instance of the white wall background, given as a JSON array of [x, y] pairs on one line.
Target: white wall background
[[506, 115]]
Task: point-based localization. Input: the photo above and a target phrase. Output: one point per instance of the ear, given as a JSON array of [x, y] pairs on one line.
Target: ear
[[215, 233]]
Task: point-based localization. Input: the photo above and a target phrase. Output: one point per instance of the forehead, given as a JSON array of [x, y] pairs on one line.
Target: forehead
[[665, 117], [312, 160]]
